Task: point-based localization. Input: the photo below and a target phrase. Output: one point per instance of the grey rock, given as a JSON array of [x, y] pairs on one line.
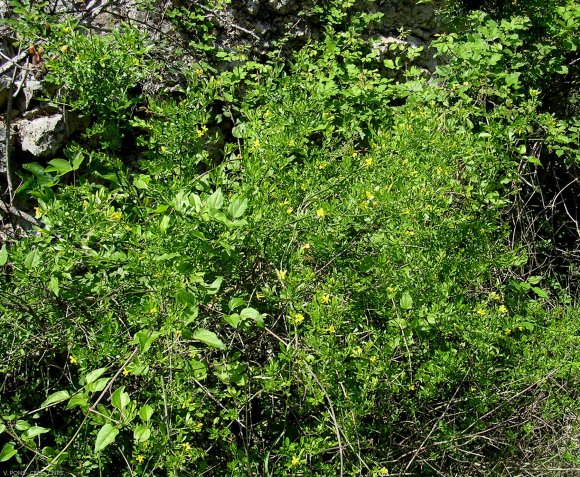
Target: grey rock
[[31, 90], [45, 136]]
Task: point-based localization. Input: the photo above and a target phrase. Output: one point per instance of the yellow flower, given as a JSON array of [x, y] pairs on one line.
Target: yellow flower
[[281, 274], [72, 359], [306, 246], [295, 460], [116, 216], [199, 72], [256, 143], [202, 131], [289, 210], [331, 329], [493, 296], [139, 458], [480, 311], [186, 446], [364, 205], [508, 331], [323, 165], [370, 195], [292, 143], [38, 212], [325, 299], [199, 425], [383, 471], [153, 310], [373, 359], [125, 372], [357, 351], [411, 387], [320, 213], [503, 309], [368, 162], [298, 318]]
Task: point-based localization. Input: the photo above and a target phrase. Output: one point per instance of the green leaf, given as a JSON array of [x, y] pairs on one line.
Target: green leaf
[[236, 303], [21, 425], [7, 452], [94, 375], [541, 293], [3, 255], [80, 400], [209, 338], [98, 385], [36, 431], [54, 398], [237, 207], [53, 285], [32, 260], [164, 225], [216, 200], [233, 320], [105, 437], [60, 166], [120, 399], [145, 339], [141, 433], [145, 412], [406, 301], [2, 428], [254, 315]]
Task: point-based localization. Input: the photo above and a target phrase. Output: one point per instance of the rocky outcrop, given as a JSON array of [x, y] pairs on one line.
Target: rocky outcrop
[[44, 136]]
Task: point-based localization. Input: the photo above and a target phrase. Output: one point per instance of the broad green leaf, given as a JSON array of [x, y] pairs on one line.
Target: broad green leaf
[[164, 225], [2, 428], [105, 437], [198, 369], [233, 319], [60, 166], [254, 315], [215, 201], [7, 452], [98, 385], [141, 433], [236, 303], [94, 375], [237, 207], [54, 398], [32, 260], [3, 255], [120, 399], [406, 301], [145, 412], [541, 293], [186, 297], [21, 425], [36, 431], [53, 285], [214, 287], [209, 338], [80, 400], [145, 339]]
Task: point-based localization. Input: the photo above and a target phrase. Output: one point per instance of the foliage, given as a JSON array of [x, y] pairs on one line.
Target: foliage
[[307, 269]]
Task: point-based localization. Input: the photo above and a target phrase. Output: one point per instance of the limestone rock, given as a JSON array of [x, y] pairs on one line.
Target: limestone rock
[[46, 135]]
